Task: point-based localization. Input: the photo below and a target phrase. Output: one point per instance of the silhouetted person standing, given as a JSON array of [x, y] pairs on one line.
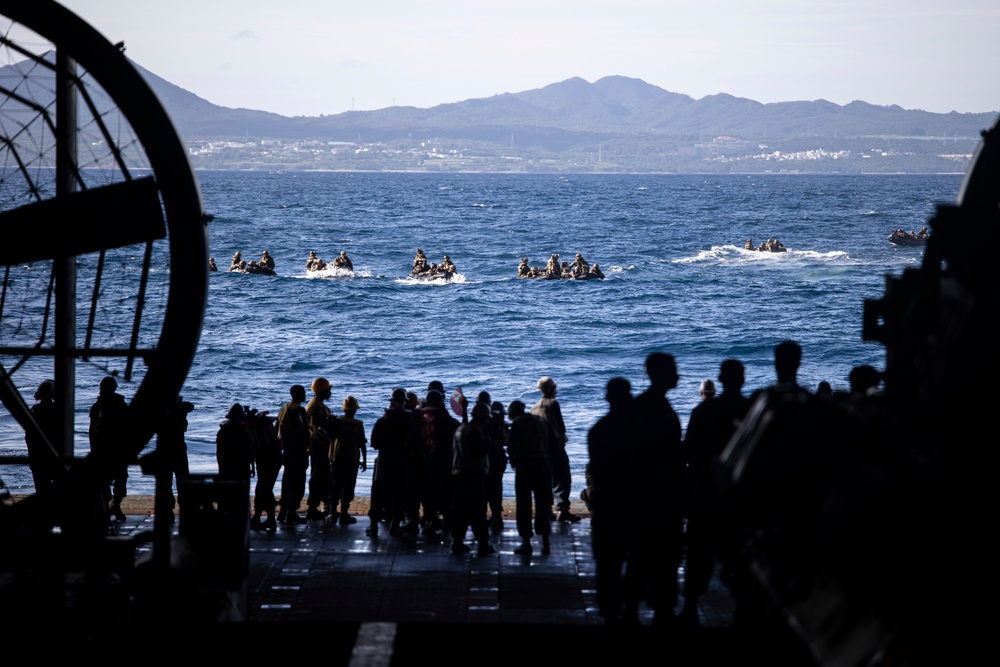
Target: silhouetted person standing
[[267, 458], [787, 358], [528, 447], [777, 471], [347, 453], [712, 424], [394, 436], [108, 430], [234, 446], [323, 427], [469, 469], [293, 433], [613, 500], [661, 485], [498, 432], [434, 462], [42, 457], [172, 447], [548, 408]]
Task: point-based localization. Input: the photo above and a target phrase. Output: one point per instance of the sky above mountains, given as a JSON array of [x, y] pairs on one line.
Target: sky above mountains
[[312, 57]]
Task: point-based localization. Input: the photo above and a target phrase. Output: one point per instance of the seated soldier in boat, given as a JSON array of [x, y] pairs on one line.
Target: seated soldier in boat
[[552, 266], [596, 272], [314, 263], [420, 262], [234, 265], [266, 261], [211, 264], [262, 269], [523, 270], [535, 272], [565, 271], [923, 234], [748, 245], [447, 265], [579, 266], [343, 262]]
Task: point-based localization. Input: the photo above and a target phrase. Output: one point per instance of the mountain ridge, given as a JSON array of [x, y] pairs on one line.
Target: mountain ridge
[[615, 124], [610, 105]]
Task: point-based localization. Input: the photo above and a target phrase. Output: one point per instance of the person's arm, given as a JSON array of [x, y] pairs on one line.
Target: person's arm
[[513, 441], [558, 423], [361, 446]]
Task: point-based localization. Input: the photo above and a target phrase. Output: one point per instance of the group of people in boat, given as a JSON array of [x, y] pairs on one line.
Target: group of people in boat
[[341, 261], [264, 266], [579, 269], [428, 270], [899, 237], [771, 245]]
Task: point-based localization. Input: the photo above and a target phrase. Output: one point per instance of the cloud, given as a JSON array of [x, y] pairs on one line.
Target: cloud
[[353, 64], [246, 34]]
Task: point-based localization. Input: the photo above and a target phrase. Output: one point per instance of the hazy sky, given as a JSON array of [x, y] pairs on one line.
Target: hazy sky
[[311, 57]]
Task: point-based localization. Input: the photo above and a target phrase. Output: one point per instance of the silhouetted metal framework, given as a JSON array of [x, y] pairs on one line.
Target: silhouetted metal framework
[[79, 218]]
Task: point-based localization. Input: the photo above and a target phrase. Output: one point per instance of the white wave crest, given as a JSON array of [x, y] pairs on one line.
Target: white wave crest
[[332, 272]]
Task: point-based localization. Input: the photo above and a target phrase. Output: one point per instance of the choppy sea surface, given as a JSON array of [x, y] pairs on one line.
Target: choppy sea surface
[[671, 246]]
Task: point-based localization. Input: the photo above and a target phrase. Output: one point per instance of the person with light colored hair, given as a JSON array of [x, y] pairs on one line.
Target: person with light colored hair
[[706, 389], [347, 454], [548, 408]]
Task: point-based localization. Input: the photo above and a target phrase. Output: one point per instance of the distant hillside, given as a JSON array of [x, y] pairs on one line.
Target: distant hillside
[[196, 117], [609, 106], [614, 124]]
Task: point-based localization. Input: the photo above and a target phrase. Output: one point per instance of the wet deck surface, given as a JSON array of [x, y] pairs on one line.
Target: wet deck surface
[[394, 601], [322, 572], [397, 600]]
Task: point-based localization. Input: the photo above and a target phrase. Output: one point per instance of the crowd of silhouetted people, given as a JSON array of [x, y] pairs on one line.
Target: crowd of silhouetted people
[[435, 474], [656, 497], [654, 494]]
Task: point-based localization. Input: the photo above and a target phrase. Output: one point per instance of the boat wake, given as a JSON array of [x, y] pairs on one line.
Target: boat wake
[[735, 255], [331, 272]]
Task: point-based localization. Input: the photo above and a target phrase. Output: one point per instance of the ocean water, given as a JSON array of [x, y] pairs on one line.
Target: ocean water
[[671, 246]]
